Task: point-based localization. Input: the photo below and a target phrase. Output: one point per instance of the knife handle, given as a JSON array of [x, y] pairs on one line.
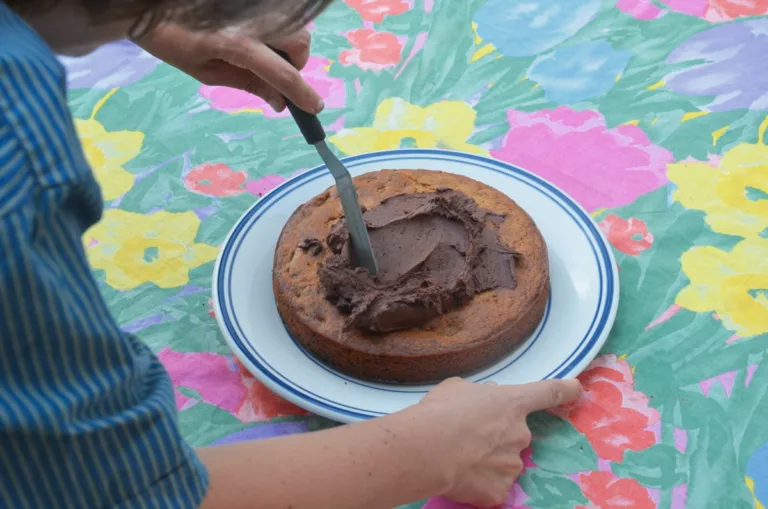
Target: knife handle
[[309, 124]]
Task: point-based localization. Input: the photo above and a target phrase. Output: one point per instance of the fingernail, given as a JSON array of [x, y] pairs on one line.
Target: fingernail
[[319, 106]]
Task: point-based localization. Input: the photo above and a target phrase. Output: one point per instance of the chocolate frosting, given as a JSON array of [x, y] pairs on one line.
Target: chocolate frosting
[[435, 252], [311, 245]]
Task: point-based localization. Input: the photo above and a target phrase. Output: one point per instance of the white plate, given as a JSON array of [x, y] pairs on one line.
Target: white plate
[[579, 316]]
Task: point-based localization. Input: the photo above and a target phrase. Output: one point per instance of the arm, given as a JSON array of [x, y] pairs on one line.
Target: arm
[[382, 463], [463, 441], [237, 59]]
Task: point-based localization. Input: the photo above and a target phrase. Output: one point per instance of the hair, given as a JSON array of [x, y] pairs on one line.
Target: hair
[[276, 17]]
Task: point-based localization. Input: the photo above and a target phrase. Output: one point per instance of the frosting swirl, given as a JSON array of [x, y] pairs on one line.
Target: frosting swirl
[[435, 252]]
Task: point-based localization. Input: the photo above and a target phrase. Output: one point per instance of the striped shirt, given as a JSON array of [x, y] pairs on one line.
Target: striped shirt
[[87, 412]]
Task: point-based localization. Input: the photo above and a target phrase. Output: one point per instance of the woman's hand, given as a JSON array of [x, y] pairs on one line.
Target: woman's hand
[[463, 441], [483, 429], [237, 59]]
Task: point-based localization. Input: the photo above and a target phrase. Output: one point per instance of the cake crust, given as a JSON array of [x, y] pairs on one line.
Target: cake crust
[[457, 343]]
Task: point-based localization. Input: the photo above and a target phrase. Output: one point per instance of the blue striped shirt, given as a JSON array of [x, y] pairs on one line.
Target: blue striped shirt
[[87, 412]]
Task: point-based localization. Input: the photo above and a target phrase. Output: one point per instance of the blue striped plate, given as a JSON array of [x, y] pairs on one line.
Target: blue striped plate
[[579, 316]]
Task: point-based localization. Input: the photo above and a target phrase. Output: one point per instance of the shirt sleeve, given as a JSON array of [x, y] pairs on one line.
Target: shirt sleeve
[[87, 412]]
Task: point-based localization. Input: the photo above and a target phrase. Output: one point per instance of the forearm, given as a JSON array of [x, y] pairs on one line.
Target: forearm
[[381, 463]]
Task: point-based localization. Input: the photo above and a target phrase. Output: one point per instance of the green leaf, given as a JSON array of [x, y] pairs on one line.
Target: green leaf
[[510, 90], [693, 409], [180, 321], [558, 448], [336, 19], [715, 479], [435, 71], [190, 393], [489, 134], [415, 505], [659, 466], [162, 98], [553, 491], [409, 23], [132, 305], [163, 188], [650, 283], [315, 423], [203, 424], [328, 44], [185, 335], [748, 409]]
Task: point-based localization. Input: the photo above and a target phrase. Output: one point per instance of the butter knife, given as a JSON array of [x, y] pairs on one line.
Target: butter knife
[[314, 134]]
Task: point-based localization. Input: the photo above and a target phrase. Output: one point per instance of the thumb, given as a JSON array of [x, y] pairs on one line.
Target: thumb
[[546, 394]]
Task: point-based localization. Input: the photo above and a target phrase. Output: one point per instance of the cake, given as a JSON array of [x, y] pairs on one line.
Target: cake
[[463, 278]]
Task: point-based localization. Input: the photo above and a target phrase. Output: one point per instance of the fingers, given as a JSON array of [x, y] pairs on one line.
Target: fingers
[[297, 47], [546, 394], [281, 75]]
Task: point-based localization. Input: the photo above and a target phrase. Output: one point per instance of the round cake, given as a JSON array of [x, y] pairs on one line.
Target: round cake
[[463, 278]]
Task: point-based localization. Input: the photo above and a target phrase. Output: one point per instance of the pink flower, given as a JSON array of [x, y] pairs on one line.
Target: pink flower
[[611, 413], [223, 382], [233, 100], [373, 50], [375, 10], [215, 180], [696, 8], [598, 166], [717, 11], [515, 500], [640, 9], [714, 11], [629, 236], [264, 185]]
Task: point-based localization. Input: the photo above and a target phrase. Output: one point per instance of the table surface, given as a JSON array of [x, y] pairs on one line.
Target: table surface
[[651, 113]]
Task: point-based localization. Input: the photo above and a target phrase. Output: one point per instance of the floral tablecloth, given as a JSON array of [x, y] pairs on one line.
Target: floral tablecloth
[[651, 113]]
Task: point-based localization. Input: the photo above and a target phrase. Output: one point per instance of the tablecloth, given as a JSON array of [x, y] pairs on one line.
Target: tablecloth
[[651, 113]]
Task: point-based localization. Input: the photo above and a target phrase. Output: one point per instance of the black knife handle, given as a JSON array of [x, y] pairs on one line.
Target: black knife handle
[[309, 124]]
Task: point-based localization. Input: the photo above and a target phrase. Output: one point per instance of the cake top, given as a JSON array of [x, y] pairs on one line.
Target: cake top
[[435, 252]]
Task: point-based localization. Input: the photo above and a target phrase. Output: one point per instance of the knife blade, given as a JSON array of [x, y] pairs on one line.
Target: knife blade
[[360, 242]]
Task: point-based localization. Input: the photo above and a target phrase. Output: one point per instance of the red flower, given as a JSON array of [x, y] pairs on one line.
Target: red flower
[[732, 9], [372, 50], [606, 491], [215, 180], [263, 402], [527, 456], [375, 10], [628, 236], [611, 413]]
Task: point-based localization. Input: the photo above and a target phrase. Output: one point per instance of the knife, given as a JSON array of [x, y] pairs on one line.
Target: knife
[[312, 129]]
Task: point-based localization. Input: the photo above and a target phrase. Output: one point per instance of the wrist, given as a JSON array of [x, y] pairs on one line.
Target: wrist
[[423, 435]]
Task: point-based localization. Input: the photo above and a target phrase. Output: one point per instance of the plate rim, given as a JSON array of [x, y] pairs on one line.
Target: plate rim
[[341, 412]]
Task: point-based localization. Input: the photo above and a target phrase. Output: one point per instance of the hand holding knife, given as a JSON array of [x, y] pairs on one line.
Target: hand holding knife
[[314, 134]]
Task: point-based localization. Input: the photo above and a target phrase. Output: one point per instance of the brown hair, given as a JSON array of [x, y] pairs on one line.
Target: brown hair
[[278, 16]]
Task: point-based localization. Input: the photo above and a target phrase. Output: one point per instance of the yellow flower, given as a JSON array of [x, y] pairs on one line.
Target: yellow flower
[[107, 152], [730, 284], [447, 124], [134, 249], [724, 192]]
